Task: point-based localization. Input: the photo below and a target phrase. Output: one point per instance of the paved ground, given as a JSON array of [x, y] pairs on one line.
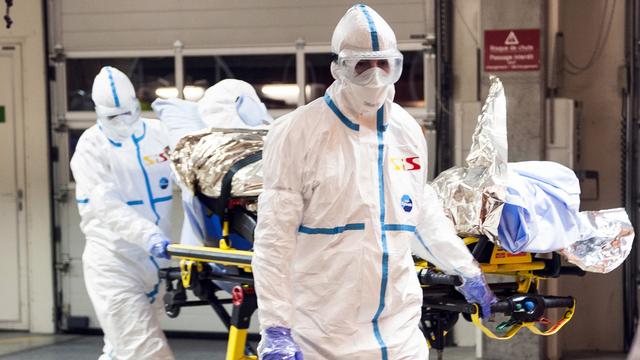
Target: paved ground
[[84, 347], [24, 346]]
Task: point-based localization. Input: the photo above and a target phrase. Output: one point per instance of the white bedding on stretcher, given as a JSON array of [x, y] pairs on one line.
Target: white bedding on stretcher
[[541, 212]]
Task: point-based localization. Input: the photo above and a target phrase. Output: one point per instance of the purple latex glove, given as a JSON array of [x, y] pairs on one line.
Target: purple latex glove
[[277, 344], [476, 290], [158, 247]]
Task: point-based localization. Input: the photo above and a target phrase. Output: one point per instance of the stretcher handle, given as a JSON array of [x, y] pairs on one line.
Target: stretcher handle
[[507, 306], [503, 306], [558, 302], [430, 277]]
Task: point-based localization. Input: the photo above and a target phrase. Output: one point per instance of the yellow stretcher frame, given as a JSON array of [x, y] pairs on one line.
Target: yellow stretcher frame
[[522, 267], [236, 345], [227, 257], [197, 255]]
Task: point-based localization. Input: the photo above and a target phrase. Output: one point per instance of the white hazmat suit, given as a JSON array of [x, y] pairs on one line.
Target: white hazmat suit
[[123, 191], [345, 200]]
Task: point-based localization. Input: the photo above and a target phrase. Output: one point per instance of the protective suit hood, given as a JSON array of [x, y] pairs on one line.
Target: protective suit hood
[[116, 105], [362, 28], [233, 103], [361, 36]]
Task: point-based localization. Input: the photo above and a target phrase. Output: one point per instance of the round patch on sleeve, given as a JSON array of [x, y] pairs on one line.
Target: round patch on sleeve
[[406, 203], [164, 183]]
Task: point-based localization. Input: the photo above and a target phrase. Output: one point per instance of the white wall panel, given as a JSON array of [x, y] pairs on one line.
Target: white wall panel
[[156, 24]]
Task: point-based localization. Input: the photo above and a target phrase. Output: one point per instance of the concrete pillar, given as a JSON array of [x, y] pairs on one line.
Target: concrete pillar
[[466, 40], [525, 91], [467, 37]]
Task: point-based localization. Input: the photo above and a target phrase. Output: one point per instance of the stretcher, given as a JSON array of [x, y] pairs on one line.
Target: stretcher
[[204, 269], [442, 304]]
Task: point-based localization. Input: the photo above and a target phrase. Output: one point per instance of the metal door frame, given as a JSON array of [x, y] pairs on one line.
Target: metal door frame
[[631, 158], [444, 84]]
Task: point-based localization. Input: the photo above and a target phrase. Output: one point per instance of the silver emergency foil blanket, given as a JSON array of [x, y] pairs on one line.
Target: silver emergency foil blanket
[[608, 244], [201, 159], [473, 195]]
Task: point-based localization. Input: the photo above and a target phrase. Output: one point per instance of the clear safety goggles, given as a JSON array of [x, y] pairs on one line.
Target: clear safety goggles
[[369, 69], [111, 114]]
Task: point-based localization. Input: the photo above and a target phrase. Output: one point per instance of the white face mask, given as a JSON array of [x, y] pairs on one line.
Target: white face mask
[[366, 100], [119, 127]]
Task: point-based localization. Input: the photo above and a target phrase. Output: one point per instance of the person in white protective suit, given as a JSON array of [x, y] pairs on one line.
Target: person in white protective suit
[[229, 104], [345, 200], [123, 191]]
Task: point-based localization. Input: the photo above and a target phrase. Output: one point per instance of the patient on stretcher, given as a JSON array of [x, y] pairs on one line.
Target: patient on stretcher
[[530, 206]]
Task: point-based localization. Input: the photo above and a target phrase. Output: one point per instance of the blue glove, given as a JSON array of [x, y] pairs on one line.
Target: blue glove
[[476, 290], [159, 245], [277, 344]]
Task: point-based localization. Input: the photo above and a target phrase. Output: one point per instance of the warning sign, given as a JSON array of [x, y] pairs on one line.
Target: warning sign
[[512, 50]]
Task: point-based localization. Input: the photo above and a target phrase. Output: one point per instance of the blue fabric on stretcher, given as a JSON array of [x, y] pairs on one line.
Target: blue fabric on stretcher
[[203, 226], [213, 226], [541, 210]]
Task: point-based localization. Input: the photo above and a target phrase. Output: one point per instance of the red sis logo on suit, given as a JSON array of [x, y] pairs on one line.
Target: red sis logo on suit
[[156, 159], [410, 163]]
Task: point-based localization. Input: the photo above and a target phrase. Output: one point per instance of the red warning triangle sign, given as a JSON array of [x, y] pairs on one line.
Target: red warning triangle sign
[[512, 39]]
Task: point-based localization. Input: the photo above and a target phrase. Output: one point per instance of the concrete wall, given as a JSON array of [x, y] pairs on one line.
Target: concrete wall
[[28, 31], [599, 90], [598, 321]]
